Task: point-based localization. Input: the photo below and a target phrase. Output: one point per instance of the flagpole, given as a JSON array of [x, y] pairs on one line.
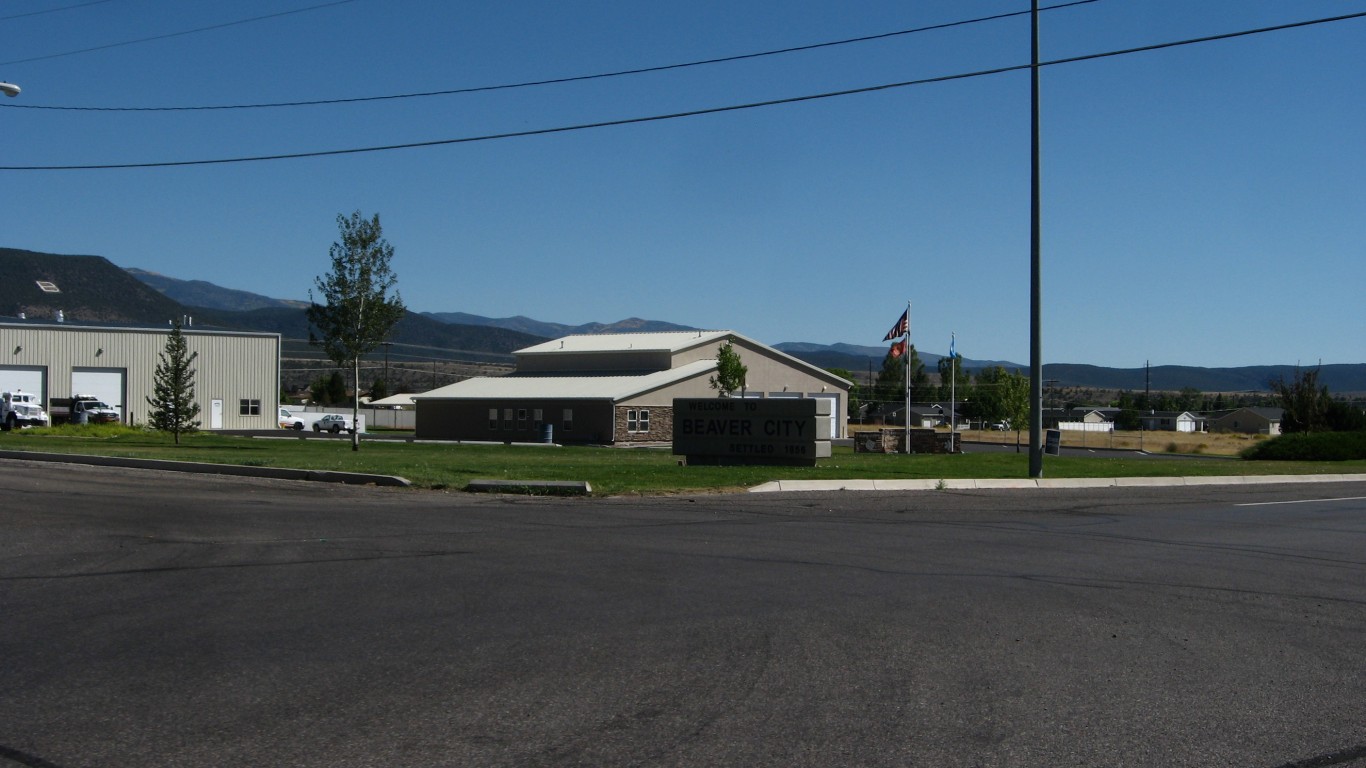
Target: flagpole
[[907, 342], [953, 392]]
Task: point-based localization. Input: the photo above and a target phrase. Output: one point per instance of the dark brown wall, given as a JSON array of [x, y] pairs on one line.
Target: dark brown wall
[[469, 420]]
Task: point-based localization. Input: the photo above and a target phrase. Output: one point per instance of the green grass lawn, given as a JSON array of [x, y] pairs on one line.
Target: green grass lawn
[[611, 471]]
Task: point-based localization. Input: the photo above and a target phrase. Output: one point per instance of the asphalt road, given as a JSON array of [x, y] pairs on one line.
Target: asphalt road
[[160, 619]]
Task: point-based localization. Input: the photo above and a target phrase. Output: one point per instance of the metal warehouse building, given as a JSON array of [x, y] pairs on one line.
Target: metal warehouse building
[[236, 383], [614, 388]]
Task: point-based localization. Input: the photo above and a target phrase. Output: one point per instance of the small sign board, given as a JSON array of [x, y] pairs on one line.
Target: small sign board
[[1052, 442], [752, 431]]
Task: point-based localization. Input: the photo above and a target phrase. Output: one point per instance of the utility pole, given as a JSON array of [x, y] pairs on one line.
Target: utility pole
[[1035, 260]]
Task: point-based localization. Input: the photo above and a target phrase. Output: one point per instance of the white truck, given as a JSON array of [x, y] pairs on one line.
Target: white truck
[[82, 409], [21, 409]]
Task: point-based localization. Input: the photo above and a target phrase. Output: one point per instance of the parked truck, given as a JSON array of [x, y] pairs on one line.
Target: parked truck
[[82, 409], [21, 409]]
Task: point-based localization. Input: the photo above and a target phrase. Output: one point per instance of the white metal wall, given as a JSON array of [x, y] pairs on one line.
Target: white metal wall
[[232, 367]]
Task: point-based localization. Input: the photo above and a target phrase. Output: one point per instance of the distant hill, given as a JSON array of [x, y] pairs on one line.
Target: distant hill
[[555, 330], [852, 357], [1341, 378], [91, 289], [199, 293], [84, 288], [1338, 378], [432, 339]]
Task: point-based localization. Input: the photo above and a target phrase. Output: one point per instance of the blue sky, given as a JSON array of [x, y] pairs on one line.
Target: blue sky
[[1202, 205]]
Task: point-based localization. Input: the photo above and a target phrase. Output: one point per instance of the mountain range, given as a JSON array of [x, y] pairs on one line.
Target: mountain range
[[91, 289]]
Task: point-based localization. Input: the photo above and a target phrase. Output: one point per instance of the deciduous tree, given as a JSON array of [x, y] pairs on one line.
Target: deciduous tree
[[730, 372], [357, 312]]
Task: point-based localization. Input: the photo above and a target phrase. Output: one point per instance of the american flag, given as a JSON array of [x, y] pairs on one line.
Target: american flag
[[902, 327]]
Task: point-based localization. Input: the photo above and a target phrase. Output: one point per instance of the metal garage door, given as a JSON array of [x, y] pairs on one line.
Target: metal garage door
[[32, 379], [107, 384]]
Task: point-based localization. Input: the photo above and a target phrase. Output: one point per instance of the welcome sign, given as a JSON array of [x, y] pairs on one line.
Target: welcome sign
[[752, 431]]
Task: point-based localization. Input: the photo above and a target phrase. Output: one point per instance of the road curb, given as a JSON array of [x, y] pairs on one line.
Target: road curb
[[1054, 483], [277, 473]]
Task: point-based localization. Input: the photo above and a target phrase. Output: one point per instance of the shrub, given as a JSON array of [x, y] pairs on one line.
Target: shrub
[[1310, 446], [1173, 448], [87, 430]]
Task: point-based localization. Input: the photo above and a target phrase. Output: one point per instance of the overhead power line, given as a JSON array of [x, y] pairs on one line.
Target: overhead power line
[[688, 113], [171, 34], [555, 80], [51, 10]]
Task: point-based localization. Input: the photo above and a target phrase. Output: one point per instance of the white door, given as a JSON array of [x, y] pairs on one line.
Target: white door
[[31, 379], [104, 384], [216, 414], [834, 412]]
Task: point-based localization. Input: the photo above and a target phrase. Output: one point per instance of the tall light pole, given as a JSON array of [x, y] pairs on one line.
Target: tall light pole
[[1035, 263]]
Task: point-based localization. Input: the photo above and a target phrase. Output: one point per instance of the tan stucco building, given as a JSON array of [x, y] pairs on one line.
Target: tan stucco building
[[236, 383], [614, 388]]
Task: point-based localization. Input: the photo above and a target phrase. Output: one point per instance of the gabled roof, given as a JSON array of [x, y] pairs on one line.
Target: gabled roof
[[1270, 414], [664, 341], [612, 388], [671, 342], [399, 399]]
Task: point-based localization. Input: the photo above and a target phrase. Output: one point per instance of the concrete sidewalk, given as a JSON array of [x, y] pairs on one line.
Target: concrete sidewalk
[[1058, 482]]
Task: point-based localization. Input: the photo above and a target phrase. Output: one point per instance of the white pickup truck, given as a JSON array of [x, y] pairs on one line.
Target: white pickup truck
[[82, 409], [21, 409]]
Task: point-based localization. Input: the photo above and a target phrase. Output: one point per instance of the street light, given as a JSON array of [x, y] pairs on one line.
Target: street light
[[9, 89]]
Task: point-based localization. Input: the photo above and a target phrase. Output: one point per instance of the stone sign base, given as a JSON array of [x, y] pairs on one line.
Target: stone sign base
[[893, 440]]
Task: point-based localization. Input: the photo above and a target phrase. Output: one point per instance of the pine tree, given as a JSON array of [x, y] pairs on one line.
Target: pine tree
[[173, 405]]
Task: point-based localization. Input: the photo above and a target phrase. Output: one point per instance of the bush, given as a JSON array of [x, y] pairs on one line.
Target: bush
[[87, 430], [1310, 446]]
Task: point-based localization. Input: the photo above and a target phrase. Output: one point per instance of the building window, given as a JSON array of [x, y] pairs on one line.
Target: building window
[[507, 418], [537, 419], [521, 418], [493, 418], [638, 421], [568, 420], [249, 407]]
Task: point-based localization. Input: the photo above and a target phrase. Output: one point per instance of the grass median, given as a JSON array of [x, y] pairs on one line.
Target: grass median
[[611, 471]]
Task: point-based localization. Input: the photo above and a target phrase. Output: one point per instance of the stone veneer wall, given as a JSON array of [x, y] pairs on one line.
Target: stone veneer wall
[[661, 424], [894, 441]]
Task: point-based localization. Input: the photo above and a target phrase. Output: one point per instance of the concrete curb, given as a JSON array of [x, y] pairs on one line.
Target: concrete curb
[[277, 473], [532, 487], [1060, 482]]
